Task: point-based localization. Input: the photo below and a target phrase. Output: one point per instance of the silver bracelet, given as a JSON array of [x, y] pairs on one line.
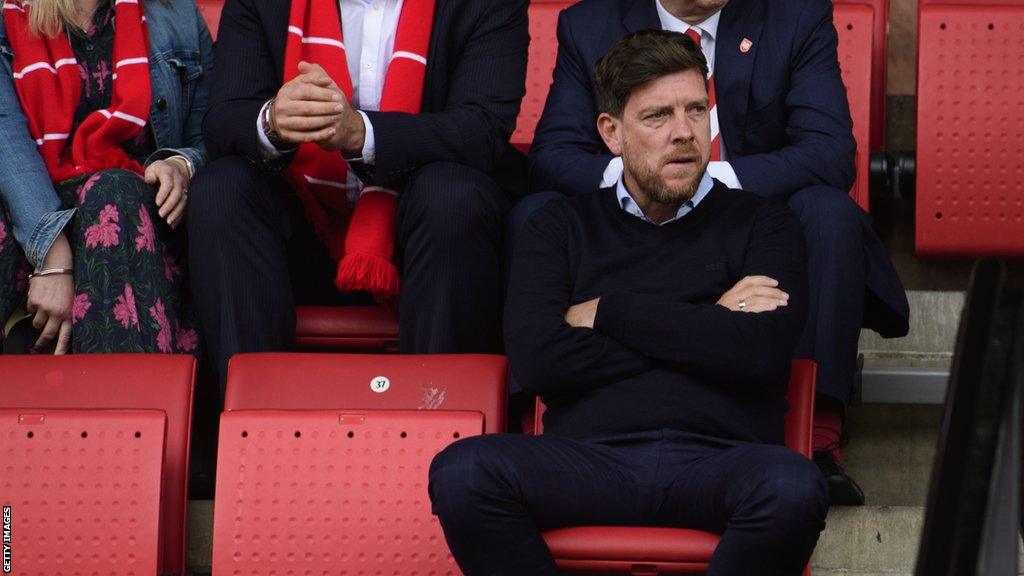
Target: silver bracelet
[[186, 162], [51, 272]]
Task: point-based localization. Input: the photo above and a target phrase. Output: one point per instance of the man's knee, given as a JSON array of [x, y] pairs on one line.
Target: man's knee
[[825, 208], [222, 193], [464, 474], [452, 202], [521, 212], [794, 492]]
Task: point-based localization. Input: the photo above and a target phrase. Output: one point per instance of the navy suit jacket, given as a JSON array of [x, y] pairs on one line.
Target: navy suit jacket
[[782, 107], [475, 81]]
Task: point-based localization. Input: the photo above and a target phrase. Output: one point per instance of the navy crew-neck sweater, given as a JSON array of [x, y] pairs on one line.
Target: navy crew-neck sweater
[[661, 354]]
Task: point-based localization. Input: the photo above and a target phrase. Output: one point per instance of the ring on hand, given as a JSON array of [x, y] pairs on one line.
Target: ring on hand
[[742, 304]]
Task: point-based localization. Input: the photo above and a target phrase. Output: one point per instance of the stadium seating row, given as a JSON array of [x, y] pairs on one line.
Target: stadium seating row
[[322, 465]]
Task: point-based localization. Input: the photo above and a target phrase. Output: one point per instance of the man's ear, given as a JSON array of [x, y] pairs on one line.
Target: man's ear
[[610, 129]]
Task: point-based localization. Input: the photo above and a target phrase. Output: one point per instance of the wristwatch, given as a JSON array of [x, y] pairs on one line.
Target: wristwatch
[[268, 126]]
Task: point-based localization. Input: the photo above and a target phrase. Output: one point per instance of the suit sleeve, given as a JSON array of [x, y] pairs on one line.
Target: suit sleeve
[[568, 154], [709, 339], [548, 355], [485, 90], [821, 147], [246, 77]]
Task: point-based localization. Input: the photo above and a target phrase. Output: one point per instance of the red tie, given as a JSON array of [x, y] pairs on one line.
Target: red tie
[[716, 152]]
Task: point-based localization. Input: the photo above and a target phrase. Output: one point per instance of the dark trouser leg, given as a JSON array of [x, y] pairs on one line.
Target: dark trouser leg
[[836, 267], [239, 224], [449, 240], [768, 502], [495, 494]]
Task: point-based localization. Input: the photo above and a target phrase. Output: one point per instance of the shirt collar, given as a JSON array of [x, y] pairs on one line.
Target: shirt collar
[[629, 205], [669, 22]]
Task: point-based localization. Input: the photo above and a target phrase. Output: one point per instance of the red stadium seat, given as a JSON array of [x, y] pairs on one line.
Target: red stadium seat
[[879, 58], [970, 164], [622, 550], [119, 382], [351, 381], [211, 9], [323, 459], [83, 487], [347, 328], [543, 51], [853, 22], [330, 491]]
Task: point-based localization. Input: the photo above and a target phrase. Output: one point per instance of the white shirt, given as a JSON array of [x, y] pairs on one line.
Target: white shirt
[[369, 28], [720, 170], [630, 205]]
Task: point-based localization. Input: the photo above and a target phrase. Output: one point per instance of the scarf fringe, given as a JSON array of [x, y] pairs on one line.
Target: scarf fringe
[[364, 272]]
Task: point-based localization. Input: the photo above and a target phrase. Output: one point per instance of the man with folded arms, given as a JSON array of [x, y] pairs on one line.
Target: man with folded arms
[[357, 143], [656, 318]]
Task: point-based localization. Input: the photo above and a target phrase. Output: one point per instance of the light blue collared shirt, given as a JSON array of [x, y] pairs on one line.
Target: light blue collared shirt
[[630, 205]]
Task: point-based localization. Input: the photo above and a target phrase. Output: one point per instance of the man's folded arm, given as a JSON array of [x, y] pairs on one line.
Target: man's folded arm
[[546, 353], [567, 154], [484, 93], [822, 149], [710, 339]]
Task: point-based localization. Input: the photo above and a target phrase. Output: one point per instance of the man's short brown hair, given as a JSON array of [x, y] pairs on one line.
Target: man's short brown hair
[[640, 57]]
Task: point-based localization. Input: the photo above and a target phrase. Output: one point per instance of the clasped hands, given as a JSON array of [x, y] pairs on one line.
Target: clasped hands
[[750, 294], [311, 108]]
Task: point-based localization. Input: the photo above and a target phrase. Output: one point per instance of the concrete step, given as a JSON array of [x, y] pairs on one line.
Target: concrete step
[[913, 369], [873, 541], [890, 451]]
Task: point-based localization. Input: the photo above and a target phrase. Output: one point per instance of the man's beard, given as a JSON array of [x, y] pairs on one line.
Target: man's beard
[[654, 187]]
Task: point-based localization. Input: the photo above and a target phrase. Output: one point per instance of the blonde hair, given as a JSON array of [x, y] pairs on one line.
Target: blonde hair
[[51, 17]]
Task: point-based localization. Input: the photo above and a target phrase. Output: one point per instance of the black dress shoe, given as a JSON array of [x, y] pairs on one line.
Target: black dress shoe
[[842, 490]]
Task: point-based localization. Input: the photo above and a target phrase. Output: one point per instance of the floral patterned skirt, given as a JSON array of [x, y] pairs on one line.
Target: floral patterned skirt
[[130, 285]]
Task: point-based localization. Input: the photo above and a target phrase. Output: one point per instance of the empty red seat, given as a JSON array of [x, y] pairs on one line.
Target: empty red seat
[[327, 491], [323, 459], [878, 59], [282, 381], [631, 550], [83, 490], [853, 22], [970, 162], [543, 51], [119, 382]]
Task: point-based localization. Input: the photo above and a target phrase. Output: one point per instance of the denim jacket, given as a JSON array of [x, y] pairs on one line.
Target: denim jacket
[[180, 61]]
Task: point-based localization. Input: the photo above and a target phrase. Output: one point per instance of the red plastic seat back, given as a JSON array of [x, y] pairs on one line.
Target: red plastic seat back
[[113, 382], [879, 58], [646, 550], [211, 9], [336, 492], [369, 381], [83, 490], [543, 52], [970, 162], [853, 22]]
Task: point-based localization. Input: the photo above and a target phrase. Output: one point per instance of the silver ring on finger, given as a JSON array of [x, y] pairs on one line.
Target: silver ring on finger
[[742, 304]]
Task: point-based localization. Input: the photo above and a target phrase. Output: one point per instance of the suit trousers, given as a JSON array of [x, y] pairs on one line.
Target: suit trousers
[[254, 257], [494, 495], [834, 227]]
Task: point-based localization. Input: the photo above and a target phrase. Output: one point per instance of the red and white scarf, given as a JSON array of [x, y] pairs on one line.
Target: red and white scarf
[[364, 244], [48, 84]]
